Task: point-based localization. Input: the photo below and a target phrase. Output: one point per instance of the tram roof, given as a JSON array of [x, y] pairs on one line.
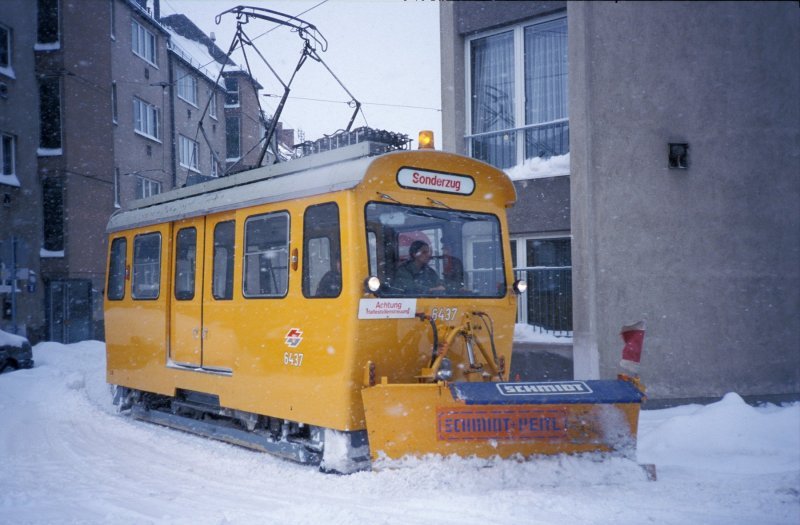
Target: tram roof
[[327, 172]]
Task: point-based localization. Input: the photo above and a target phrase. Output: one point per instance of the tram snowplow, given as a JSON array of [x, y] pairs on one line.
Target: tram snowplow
[[488, 417]]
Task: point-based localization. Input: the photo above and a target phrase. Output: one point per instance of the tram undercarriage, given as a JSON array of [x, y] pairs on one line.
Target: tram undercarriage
[[331, 450]]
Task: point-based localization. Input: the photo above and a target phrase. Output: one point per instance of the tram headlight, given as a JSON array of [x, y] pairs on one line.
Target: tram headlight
[[445, 372], [373, 284], [520, 286]]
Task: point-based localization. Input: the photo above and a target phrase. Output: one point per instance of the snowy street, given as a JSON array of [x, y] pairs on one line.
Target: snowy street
[[67, 457]]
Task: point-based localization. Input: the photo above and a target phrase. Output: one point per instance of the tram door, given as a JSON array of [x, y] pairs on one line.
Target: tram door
[[186, 323], [202, 332]]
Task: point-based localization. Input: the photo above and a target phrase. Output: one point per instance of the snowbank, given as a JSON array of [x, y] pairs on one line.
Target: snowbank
[[67, 457]]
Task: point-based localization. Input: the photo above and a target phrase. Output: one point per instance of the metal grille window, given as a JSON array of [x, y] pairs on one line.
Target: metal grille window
[[146, 266], [518, 93], [546, 265], [266, 257], [143, 42]]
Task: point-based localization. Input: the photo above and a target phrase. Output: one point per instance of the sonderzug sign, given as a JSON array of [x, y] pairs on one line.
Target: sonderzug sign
[[432, 181], [508, 423]]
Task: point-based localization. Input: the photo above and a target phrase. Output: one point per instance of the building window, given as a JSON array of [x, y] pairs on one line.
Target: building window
[[53, 209], [518, 110], [187, 86], [143, 42], [231, 92], [146, 281], [113, 11], [6, 54], [146, 118], [266, 258], [546, 265], [116, 189], [214, 165], [232, 142], [212, 105], [47, 28], [146, 187], [114, 111], [7, 155], [188, 152], [49, 115]]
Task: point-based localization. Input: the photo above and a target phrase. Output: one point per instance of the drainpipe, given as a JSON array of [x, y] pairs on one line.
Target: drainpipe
[[173, 153]]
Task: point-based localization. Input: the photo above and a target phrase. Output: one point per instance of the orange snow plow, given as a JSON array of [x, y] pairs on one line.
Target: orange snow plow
[[488, 417]]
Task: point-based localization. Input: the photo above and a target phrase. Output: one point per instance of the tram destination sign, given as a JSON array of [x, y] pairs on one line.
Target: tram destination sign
[[433, 181]]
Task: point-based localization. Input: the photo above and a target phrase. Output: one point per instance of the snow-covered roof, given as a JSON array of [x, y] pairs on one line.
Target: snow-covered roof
[[7, 339], [197, 55]]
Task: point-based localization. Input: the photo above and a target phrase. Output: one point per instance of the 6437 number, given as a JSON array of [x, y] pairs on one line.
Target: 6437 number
[[292, 359]]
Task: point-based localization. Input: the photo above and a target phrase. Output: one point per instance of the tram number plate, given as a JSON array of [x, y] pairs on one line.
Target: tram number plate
[[292, 359], [444, 314]]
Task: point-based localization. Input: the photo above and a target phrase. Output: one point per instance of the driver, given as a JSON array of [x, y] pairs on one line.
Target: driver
[[415, 276]]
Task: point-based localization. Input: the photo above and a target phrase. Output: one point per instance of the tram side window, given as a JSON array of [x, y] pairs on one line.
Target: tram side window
[[116, 269], [222, 283], [322, 266], [185, 263], [146, 266], [266, 257]]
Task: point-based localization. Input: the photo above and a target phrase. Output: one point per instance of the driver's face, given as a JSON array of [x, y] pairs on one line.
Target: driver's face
[[423, 255]]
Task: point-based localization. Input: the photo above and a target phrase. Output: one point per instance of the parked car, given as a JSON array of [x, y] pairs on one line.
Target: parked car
[[15, 352]]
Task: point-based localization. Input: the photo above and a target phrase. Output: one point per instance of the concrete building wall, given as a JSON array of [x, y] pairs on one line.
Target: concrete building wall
[[20, 205], [709, 255], [88, 150]]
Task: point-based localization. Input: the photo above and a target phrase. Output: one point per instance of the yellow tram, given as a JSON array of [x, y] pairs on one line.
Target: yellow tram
[[270, 307]]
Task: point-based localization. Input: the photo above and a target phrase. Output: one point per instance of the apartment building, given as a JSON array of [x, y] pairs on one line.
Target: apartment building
[[100, 103], [678, 201]]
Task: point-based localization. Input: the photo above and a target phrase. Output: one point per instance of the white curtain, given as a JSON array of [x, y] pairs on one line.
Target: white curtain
[[546, 71], [493, 83]]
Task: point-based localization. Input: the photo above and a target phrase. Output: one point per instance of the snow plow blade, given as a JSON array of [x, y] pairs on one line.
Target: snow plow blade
[[502, 418]]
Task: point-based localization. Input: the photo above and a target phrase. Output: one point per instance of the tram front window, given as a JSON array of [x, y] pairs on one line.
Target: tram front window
[[427, 252]]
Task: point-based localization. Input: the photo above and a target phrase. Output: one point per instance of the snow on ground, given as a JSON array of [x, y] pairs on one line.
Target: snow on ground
[[67, 457]]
